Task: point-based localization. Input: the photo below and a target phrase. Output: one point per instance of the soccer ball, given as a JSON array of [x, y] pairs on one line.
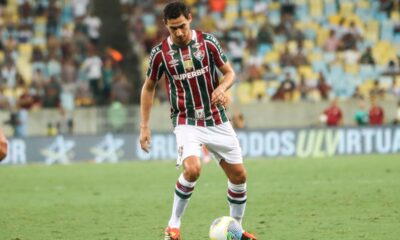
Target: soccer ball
[[225, 228]]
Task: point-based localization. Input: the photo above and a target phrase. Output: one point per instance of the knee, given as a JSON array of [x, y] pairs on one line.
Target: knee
[[192, 173], [238, 177]]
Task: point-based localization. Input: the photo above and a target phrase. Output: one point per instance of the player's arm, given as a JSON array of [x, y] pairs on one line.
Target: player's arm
[[3, 145], [146, 101], [219, 95]]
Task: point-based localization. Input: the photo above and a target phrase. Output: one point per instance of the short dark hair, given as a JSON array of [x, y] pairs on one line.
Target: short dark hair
[[175, 9]]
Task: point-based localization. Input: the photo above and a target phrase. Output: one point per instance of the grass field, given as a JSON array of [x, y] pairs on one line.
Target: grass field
[[289, 199]]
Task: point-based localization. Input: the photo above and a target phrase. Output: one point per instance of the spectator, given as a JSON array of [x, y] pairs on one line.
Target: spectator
[[91, 66], [4, 101], [236, 48], [303, 88], [357, 94], [18, 121], [9, 74], [266, 34], [355, 31], [392, 69], [107, 76], [332, 116], [361, 117], [52, 91], [79, 7], [367, 58], [300, 59], [376, 113], [323, 87], [286, 59], [331, 44], [288, 87], [121, 89], [340, 29], [395, 88], [53, 14], [377, 91], [351, 56], [238, 121], [93, 24]]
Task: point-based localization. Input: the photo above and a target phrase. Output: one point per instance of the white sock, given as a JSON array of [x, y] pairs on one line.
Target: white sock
[[183, 191], [237, 197]]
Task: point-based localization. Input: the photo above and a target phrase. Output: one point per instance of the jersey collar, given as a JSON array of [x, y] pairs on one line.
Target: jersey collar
[[174, 46]]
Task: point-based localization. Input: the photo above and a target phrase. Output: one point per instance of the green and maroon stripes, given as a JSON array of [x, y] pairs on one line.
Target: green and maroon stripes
[[189, 88], [182, 191], [178, 96], [237, 197]]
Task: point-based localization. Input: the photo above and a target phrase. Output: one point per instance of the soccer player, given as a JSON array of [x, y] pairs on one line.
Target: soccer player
[[3, 145], [190, 60]]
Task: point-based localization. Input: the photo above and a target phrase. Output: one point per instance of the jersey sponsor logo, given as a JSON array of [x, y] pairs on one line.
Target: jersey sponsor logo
[[173, 62], [192, 74], [188, 65], [199, 55]]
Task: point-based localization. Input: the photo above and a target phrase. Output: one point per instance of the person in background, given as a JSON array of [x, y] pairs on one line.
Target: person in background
[[361, 115], [332, 116], [376, 91], [367, 58], [323, 87], [238, 121], [376, 113]]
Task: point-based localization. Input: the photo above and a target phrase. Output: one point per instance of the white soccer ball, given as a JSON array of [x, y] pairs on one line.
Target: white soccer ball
[[225, 228]]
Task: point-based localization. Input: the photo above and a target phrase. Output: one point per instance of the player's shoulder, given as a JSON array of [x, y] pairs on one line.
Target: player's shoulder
[[157, 48], [210, 37]]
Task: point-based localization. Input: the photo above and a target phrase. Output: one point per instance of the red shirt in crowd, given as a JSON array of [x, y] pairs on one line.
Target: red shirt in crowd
[[376, 115], [333, 116]]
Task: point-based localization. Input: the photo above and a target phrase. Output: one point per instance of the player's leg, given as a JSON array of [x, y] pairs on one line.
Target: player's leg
[[237, 188], [189, 148], [184, 188]]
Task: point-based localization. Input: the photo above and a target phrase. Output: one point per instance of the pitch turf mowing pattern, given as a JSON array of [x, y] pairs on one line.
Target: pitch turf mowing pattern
[[289, 199]]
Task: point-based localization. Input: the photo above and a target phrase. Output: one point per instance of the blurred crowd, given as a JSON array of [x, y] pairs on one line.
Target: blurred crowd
[[50, 58], [291, 50]]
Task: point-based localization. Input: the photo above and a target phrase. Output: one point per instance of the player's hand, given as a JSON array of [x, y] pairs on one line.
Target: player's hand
[[145, 138], [219, 97]]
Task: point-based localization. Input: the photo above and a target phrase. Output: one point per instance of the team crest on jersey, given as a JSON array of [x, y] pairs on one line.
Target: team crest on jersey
[[199, 55]]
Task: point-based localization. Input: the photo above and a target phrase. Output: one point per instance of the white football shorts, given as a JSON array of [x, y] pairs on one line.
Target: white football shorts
[[220, 140]]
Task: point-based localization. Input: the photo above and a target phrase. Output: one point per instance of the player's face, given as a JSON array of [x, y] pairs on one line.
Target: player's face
[[179, 29]]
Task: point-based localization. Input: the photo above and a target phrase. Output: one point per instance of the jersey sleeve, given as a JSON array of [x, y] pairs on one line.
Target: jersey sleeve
[[156, 66], [216, 50]]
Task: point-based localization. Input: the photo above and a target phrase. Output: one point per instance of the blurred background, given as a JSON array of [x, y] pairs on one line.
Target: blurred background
[[77, 66]]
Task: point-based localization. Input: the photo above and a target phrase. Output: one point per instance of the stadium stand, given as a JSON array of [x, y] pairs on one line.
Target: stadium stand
[[50, 55], [303, 37]]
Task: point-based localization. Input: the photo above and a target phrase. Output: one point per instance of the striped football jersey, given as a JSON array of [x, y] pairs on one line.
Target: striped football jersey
[[191, 77]]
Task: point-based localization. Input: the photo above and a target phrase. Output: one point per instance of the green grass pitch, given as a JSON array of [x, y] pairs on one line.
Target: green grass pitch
[[346, 198]]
